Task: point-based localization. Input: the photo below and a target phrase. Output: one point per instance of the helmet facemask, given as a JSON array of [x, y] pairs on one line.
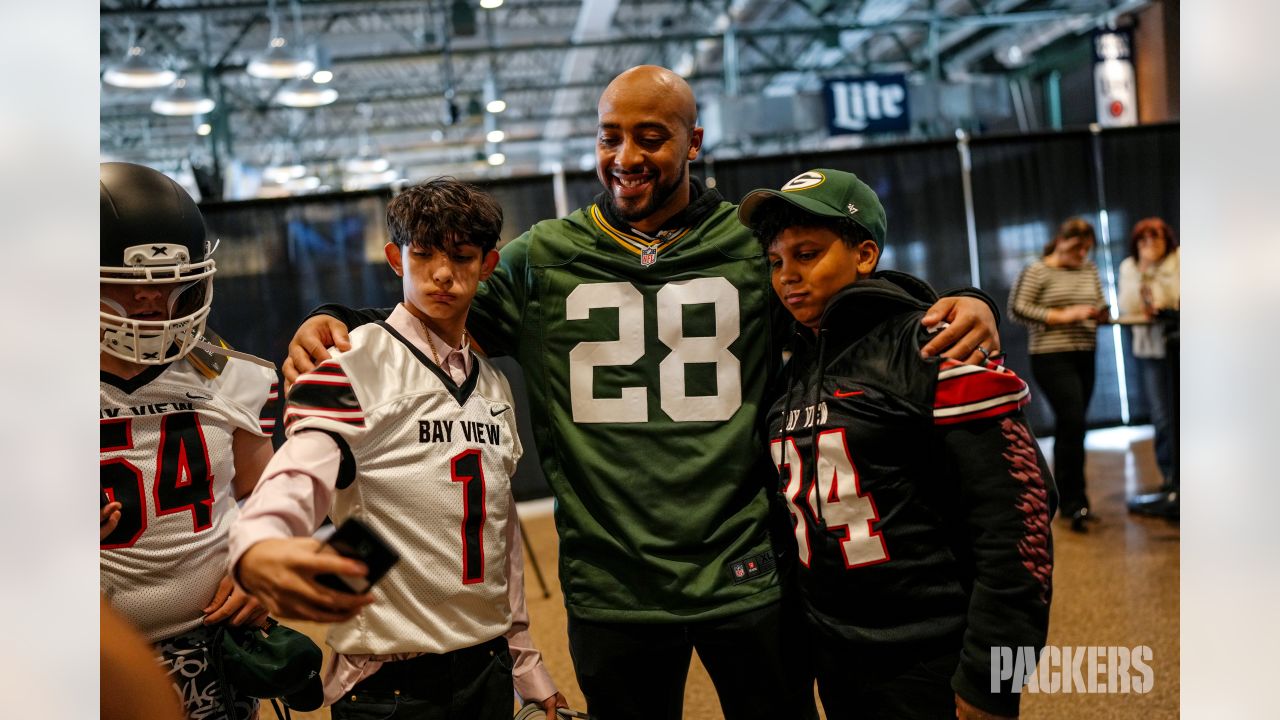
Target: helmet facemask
[[190, 295]]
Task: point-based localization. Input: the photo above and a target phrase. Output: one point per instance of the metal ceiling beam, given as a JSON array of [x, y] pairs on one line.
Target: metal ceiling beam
[[907, 20], [308, 6]]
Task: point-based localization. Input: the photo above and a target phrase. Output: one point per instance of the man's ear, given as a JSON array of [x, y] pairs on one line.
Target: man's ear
[[488, 264], [868, 257], [394, 259], [695, 143]]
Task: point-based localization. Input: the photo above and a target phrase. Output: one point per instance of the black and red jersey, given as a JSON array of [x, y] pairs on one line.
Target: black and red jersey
[[919, 498]]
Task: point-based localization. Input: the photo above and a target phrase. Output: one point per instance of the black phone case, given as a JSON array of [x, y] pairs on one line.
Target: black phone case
[[356, 540]]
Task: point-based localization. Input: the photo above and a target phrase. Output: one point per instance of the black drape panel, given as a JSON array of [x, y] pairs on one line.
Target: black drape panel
[[1024, 188], [524, 202], [1140, 169], [278, 259]]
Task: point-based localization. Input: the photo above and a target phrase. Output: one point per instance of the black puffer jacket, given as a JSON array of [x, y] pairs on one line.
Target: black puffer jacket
[[930, 526]]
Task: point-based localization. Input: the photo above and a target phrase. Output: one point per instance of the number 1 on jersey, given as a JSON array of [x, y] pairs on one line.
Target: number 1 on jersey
[[465, 468]]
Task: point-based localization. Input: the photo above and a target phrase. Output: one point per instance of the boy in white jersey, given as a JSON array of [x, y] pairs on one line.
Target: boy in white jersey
[[180, 440], [414, 435]]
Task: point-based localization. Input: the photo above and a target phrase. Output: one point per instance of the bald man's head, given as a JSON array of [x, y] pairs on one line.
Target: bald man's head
[[647, 136], [656, 84]]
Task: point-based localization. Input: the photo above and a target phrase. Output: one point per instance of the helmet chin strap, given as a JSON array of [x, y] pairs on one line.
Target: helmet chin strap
[[207, 346]]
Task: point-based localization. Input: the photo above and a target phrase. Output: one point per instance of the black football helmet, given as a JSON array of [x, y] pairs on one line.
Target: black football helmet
[[152, 235]]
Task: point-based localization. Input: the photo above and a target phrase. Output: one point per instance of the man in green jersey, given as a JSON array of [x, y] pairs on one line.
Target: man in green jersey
[[646, 330]]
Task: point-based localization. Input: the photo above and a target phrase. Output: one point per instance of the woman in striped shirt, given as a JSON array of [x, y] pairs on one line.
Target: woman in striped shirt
[[1059, 299]]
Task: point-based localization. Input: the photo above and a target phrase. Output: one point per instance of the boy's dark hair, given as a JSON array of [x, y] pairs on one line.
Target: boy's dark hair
[[775, 215], [442, 213]]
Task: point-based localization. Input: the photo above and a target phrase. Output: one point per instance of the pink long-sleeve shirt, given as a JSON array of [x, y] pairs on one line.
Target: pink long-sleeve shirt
[[297, 490]]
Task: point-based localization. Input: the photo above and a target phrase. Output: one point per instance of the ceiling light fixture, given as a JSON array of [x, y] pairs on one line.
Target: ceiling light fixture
[[493, 101], [280, 61], [497, 158], [137, 72], [324, 64], [305, 93], [281, 173], [302, 184], [371, 180], [367, 165], [182, 99], [490, 4], [495, 136]]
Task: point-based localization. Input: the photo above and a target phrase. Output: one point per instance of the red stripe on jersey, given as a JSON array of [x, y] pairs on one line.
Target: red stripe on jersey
[[328, 367], [293, 414], [326, 393], [992, 411], [968, 392], [267, 415]]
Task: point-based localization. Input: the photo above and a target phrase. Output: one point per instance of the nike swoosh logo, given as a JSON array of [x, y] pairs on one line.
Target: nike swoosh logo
[[497, 412], [851, 393], [198, 397]]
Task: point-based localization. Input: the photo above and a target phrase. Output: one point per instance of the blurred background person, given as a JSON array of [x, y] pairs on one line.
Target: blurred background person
[[1059, 299], [1148, 290]]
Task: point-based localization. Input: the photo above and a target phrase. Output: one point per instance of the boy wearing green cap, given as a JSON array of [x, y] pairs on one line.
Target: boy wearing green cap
[[919, 498]]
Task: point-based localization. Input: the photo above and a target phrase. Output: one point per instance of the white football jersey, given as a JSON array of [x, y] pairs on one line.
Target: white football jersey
[[427, 465], [166, 455]]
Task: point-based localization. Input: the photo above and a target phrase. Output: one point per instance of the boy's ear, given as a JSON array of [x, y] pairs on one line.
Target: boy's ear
[[394, 259], [868, 257], [488, 264]]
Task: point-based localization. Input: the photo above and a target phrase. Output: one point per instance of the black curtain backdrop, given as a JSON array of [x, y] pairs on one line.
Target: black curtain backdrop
[[1140, 173], [280, 258], [1023, 188]]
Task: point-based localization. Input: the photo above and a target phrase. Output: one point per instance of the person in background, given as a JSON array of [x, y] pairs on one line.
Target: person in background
[[1059, 299], [1149, 285]]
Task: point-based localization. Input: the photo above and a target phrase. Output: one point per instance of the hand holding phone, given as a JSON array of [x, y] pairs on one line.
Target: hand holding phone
[[357, 540]]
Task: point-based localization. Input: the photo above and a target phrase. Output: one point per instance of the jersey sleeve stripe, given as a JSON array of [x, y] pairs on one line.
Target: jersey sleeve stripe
[[986, 408], [968, 392], [354, 417], [267, 415], [324, 393]]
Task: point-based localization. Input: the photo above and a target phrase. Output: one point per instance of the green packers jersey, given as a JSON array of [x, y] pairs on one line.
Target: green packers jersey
[[646, 360]]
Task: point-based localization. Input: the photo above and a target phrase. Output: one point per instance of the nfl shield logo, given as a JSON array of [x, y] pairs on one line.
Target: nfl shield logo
[[738, 571], [648, 256]]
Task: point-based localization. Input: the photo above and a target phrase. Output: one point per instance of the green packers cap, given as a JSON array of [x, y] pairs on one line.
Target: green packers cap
[[830, 193]]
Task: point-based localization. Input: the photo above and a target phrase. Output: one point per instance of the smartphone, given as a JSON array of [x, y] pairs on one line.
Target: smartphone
[[356, 540], [106, 499]]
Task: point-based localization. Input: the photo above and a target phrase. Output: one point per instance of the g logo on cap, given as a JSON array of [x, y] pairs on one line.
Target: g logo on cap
[[804, 181]]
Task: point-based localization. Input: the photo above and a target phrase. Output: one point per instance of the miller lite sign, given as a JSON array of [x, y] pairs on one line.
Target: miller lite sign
[[867, 104]]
